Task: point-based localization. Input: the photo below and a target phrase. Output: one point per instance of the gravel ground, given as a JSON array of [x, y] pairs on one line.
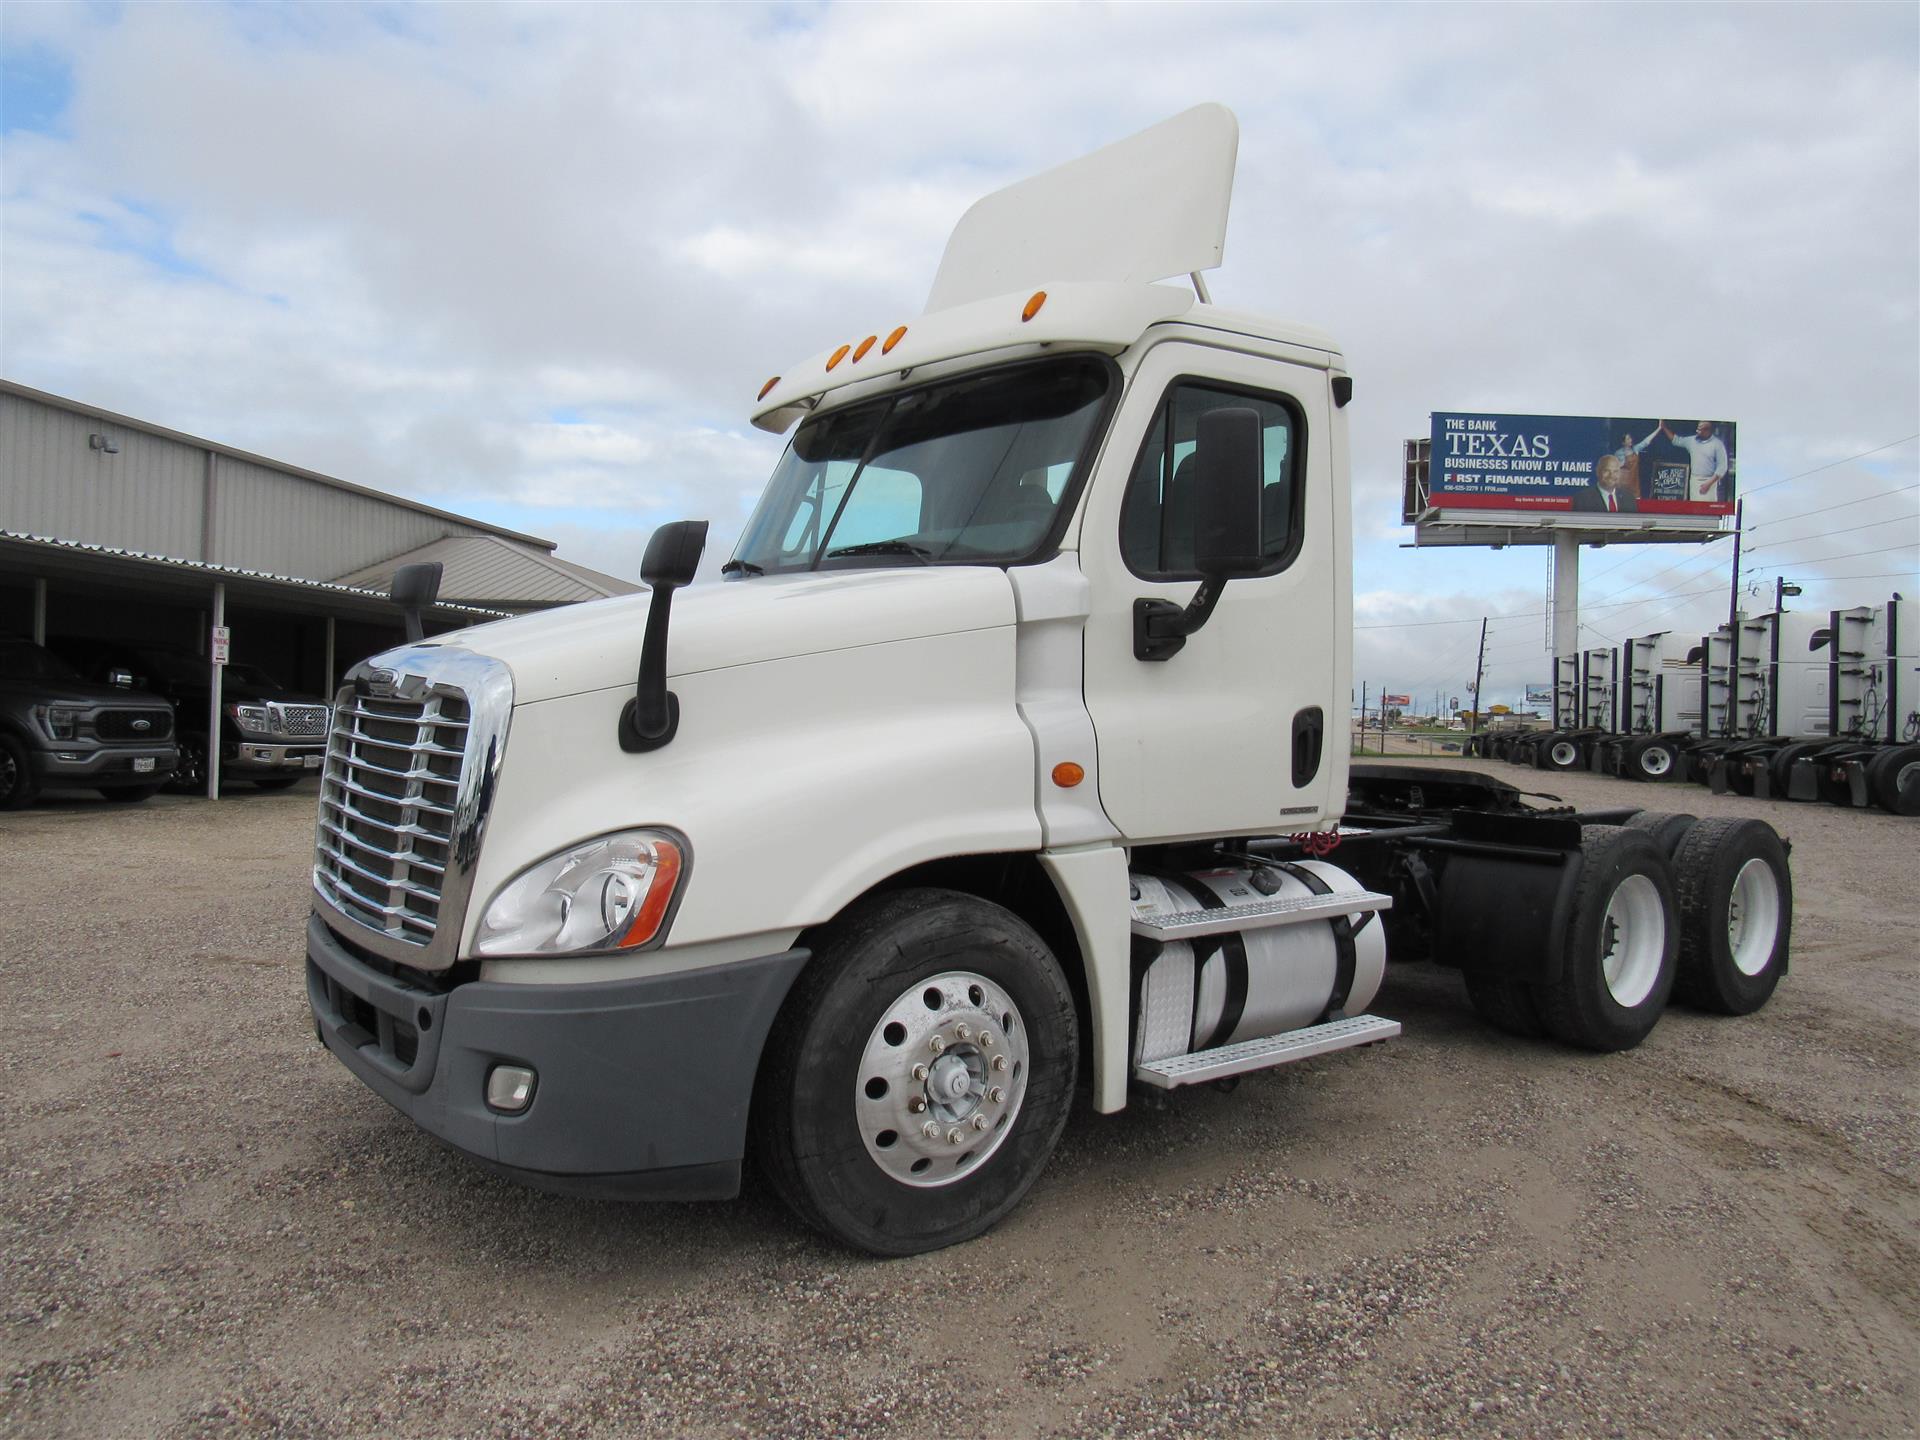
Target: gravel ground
[[207, 1228]]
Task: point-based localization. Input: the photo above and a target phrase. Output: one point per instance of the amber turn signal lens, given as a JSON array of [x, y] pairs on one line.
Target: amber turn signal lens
[[1033, 306], [666, 879], [894, 339], [768, 386], [865, 345], [1067, 774], [837, 356]]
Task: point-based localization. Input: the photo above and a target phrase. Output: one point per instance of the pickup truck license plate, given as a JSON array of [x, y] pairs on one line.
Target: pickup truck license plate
[[312, 762], [143, 765]]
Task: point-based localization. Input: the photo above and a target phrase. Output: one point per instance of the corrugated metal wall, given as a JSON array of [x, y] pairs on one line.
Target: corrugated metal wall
[[153, 497]]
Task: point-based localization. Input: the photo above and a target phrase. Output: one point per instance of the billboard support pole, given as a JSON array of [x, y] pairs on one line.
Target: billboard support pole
[[1566, 592]]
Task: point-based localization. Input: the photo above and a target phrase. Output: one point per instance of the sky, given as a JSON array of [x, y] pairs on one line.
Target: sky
[[533, 264]]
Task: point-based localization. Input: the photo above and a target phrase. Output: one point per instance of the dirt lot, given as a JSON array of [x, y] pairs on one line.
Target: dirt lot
[[208, 1228]]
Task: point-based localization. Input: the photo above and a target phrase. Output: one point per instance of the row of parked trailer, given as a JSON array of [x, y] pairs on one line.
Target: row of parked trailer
[[1807, 705]]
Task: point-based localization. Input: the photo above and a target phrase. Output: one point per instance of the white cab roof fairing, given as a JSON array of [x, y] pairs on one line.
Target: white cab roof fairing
[[1139, 210]]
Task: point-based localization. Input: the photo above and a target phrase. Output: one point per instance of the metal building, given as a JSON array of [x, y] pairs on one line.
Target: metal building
[[113, 529]]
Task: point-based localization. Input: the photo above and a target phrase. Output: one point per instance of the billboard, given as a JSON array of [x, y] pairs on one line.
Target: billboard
[[1646, 465], [1539, 695]]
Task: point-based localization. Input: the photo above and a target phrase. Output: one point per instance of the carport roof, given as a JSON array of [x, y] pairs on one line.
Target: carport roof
[[48, 556], [488, 569]]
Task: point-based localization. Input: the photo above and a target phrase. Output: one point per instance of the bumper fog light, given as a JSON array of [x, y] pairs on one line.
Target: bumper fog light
[[509, 1088]]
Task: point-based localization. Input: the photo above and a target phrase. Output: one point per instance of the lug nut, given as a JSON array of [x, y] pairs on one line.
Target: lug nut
[[997, 1095], [919, 1071], [916, 1105], [986, 1039], [930, 1130], [963, 1032], [999, 1062], [937, 1044], [956, 1136], [979, 1122]]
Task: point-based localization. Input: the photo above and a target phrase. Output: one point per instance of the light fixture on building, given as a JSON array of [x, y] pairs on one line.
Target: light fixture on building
[[104, 443]]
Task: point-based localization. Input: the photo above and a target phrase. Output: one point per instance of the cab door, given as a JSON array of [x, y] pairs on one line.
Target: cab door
[[1235, 733]]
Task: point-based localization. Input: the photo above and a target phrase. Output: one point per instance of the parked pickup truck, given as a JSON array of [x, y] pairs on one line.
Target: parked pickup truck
[[268, 734], [60, 731]]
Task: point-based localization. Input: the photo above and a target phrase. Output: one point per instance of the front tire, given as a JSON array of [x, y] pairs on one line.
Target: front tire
[[1735, 897], [1621, 944], [857, 1108], [1652, 759], [18, 784]]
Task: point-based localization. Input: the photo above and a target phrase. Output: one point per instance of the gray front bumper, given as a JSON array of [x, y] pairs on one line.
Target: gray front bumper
[[103, 765], [643, 1084]]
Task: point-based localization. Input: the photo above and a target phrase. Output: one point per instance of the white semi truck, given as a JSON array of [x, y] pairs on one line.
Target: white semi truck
[[1007, 763]]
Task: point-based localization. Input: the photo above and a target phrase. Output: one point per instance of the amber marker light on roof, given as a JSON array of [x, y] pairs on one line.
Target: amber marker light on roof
[[837, 356], [894, 339], [1067, 774], [865, 345], [766, 388], [1033, 306]]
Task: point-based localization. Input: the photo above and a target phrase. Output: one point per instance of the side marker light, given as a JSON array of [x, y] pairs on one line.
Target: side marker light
[[764, 389], [1067, 774], [865, 345], [894, 339], [1033, 306], [837, 356]]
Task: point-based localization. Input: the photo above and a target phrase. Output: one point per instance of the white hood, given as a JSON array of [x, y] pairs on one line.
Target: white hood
[[596, 646]]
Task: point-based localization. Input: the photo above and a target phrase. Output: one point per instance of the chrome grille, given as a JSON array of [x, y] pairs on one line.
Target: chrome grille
[[387, 803], [412, 760], [300, 721]]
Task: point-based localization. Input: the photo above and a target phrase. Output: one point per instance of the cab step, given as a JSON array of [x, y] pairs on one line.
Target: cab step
[[1262, 1054], [1290, 910]]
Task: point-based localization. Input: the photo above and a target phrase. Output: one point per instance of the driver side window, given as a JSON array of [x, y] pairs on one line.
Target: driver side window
[[1156, 518]]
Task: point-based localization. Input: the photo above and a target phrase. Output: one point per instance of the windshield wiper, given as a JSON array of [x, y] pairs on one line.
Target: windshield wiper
[[741, 567], [884, 547]]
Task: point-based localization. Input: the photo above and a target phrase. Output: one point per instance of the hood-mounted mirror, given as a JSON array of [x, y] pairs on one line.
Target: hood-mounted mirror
[[414, 588], [653, 715]]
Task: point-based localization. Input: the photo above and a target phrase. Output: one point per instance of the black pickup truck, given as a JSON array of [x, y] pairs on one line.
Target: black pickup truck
[[59, 731]]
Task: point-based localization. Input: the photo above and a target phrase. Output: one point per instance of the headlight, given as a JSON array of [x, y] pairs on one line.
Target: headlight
[[250, 717], [61, 722], [614, 893]]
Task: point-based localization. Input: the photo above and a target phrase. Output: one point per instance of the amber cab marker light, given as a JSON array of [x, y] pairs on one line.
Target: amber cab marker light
[[865, 345], [1033, 306], [838, 356], [894, 339], [1067, 774], [764, 389]]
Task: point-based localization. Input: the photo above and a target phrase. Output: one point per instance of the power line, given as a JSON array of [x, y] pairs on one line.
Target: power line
[[1815, 535], [1838, 505], [1831, 464]]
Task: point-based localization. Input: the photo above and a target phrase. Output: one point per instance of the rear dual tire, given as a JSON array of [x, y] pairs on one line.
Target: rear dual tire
[[1621, 946], [1735, 895]]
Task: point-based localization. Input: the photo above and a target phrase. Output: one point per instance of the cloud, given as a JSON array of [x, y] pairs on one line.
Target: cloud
[[394, 245]]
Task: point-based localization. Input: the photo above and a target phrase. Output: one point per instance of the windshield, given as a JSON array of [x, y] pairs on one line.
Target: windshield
[[23, 660], [967, 471]]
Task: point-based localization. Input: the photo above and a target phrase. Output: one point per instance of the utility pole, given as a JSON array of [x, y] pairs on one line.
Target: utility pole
[[1733, 591], [1479, 673], [1363, 714]]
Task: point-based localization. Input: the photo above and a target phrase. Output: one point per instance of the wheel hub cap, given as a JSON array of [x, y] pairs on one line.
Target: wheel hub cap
[[941, 1079]]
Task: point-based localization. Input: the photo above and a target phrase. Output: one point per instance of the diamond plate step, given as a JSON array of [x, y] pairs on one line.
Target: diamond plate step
[[1261, 1054], [1254, 914]]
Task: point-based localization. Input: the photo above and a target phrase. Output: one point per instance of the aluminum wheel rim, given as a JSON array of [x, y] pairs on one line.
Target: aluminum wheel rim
[[1753, 916], [1633, 935], [1656, 760], [1563, 754], [941, 1079]]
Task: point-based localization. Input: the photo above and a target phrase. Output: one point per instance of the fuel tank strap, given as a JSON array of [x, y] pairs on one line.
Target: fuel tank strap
[[1345, 957]]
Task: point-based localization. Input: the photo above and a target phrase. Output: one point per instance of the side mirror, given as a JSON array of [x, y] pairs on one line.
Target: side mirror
[[414, 588], [1228, 474], [122, 678], [653, 715]]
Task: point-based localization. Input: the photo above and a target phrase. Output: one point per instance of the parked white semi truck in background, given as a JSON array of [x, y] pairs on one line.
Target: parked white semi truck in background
[[1009, 759]]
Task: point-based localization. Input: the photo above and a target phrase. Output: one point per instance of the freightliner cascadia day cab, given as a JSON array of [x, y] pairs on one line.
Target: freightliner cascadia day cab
[[1004, 765]]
